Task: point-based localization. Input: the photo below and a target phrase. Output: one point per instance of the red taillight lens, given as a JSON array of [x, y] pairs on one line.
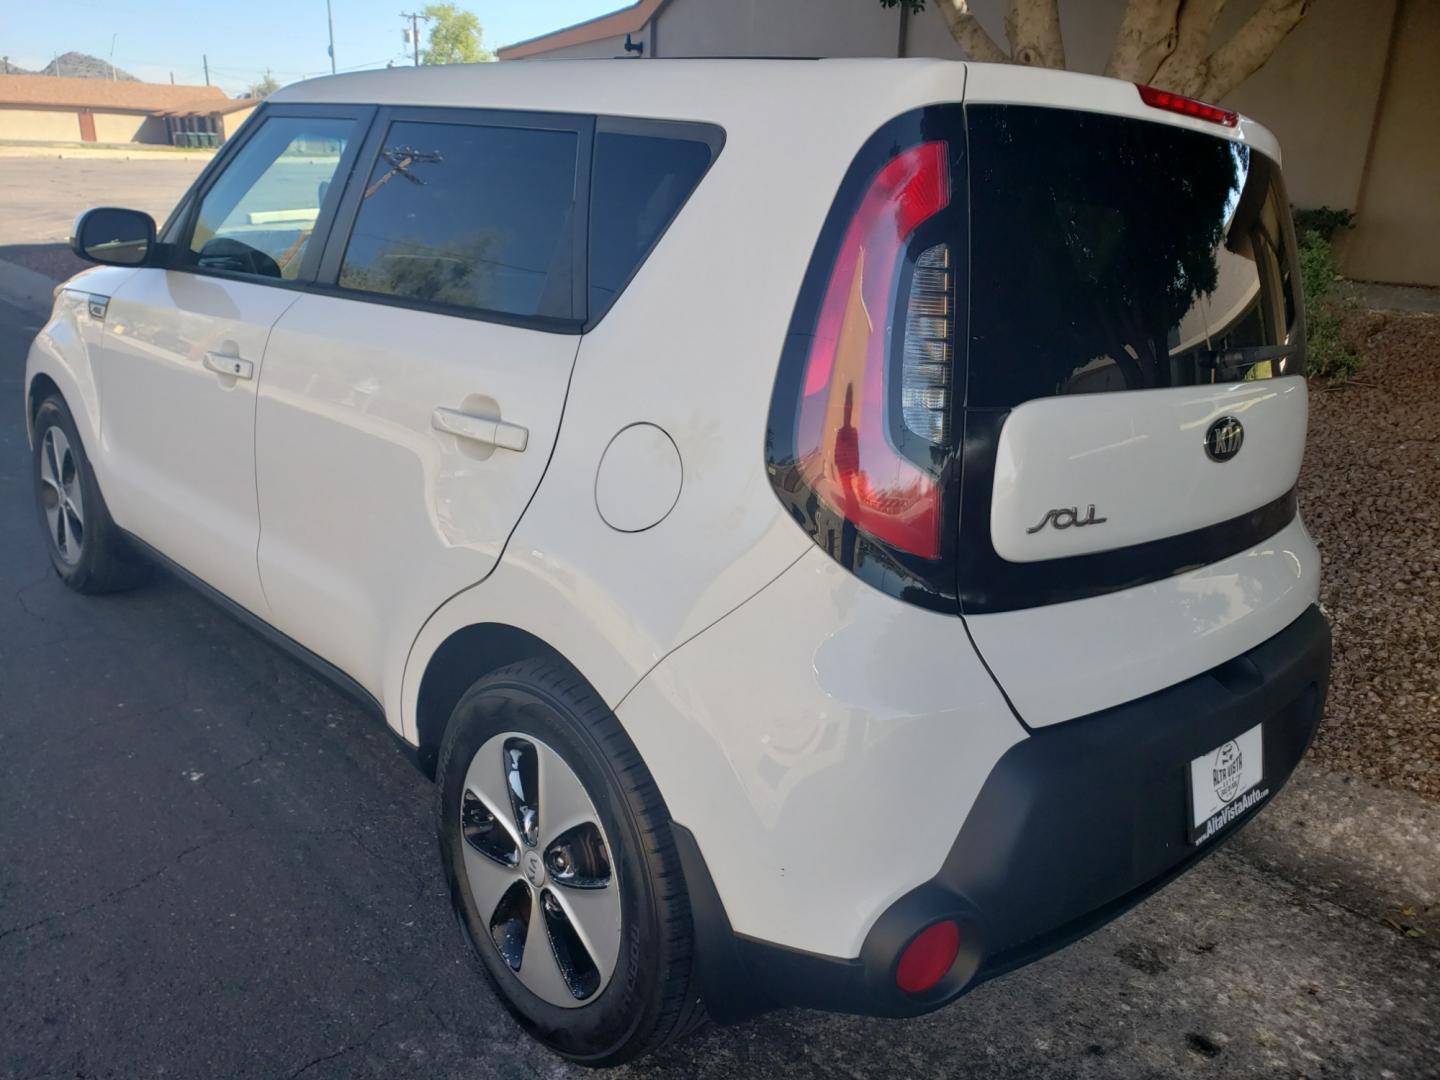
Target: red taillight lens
[[1178, 103], [843, 447], [928, 958]]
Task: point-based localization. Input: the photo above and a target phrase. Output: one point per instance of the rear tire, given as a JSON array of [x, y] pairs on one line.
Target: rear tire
[[86, 547], [623, 990]]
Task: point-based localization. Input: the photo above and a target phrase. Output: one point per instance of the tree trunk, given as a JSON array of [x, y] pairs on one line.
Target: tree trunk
[[1252, 45], [1033, 27], [969, 34], [1147, 37], [1184, 70]]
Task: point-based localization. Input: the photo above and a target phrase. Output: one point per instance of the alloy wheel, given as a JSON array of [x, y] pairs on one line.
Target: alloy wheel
[[540, 869], [61, 496]]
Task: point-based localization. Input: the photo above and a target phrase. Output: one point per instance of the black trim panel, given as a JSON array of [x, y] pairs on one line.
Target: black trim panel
[[987, 583]]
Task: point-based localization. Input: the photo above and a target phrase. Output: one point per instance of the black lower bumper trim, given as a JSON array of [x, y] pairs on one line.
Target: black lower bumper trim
[[1075, 825]]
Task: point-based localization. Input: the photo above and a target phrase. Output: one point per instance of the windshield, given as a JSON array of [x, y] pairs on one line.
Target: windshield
[[1109, 253]]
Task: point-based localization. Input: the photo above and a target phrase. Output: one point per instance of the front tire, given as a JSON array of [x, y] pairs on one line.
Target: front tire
[[562, 867], [86, 547]]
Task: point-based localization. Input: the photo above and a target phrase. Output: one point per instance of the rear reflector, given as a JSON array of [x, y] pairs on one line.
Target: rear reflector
[[1178, 103], [928, 958]]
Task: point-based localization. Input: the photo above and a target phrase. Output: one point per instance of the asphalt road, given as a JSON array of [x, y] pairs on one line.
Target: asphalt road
[[212, 865], [40, 196]]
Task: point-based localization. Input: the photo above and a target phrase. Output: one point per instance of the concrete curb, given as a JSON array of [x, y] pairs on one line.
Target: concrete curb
[[24, 288]]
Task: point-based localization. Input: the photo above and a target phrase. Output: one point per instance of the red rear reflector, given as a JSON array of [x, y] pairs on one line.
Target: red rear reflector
[[1178, 103], [843, 445], [928, 957]]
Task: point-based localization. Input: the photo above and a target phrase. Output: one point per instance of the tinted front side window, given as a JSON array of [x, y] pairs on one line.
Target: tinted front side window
[[638, 185], [465, 216], [258, 215], [1110, 253]]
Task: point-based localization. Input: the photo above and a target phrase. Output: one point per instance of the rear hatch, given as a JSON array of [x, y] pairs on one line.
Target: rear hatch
[[1046, 371], [1134, 356]]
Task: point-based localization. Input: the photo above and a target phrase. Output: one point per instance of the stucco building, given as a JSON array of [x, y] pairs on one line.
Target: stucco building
[[49, 109], [1353, 93]]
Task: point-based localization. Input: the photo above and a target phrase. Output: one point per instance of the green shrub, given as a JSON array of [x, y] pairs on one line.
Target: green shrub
[[1325, 305], [1325, 220]]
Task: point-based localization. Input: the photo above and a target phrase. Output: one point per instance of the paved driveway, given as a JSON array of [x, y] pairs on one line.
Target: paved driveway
[[212, 865], [39, 197]]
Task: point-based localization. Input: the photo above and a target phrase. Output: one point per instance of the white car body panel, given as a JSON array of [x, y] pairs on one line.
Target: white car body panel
[[187, 486], [1107, 650], [372, 517], [1138, 458], [820, 728]]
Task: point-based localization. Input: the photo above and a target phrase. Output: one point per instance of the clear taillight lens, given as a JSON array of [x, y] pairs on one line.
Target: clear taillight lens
[[929, 329]]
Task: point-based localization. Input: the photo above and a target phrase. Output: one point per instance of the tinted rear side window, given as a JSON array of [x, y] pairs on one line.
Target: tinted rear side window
[[1109, 253], [638, 185], [467, 216]]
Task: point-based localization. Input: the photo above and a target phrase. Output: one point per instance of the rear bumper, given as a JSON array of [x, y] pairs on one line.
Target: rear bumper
[[1075, 824]]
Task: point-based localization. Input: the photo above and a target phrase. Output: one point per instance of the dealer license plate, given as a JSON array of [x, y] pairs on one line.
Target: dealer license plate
[[1225, 783]]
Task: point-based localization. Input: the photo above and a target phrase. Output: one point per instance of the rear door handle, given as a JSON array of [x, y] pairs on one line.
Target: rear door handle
[[481, 429], [233, 366]]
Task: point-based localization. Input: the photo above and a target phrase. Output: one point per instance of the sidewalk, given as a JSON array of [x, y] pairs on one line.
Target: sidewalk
[[18, 148]]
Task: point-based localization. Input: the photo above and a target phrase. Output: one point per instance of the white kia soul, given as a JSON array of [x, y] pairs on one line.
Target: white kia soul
[[828, 526]]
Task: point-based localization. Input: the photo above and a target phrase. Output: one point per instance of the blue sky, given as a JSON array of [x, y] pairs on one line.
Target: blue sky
[[244, 37]]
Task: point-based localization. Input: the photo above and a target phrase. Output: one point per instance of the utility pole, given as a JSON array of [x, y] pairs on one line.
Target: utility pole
[[112, 57], [415, 31], [330, 19], [206, 61]]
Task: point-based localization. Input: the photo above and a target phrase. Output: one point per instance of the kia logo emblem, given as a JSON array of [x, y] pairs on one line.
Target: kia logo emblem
[[1224, 439]]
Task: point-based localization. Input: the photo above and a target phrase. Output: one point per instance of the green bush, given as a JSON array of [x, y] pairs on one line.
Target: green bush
[[1325, 305], [1324, 220]]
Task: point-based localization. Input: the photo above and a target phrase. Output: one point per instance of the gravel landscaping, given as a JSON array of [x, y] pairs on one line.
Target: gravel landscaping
[[1370, 495]]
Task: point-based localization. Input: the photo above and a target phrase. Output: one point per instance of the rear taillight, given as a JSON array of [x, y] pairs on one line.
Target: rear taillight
[[862, 443], [1178, 103], [844, 447]]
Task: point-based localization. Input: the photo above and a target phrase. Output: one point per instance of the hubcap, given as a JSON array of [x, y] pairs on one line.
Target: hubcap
[[60, 495], [539, 867]]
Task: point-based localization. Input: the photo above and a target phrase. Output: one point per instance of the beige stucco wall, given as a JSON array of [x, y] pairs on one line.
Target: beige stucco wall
[[777, 28], [45, 125], [230, 122], [1397, 234], [128, 127], [595, 50]]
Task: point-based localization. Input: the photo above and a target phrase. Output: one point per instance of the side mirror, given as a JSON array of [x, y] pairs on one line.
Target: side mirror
[[116, 237]]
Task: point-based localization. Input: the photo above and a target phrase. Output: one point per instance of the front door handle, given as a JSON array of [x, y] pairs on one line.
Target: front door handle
[[481, 429], [233, 366]]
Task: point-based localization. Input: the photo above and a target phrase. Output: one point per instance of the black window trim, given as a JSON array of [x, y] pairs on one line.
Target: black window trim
[[326, 281], [180, 226], [712, 135]]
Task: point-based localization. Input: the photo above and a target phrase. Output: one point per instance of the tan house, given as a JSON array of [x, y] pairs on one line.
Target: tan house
[[49, 109], [1353, 93]]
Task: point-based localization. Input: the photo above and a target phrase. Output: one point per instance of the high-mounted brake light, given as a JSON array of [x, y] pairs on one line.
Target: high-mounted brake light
[[843, 444], [1178, 103]]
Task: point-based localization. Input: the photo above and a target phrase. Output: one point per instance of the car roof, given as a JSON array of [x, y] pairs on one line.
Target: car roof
[[737, 91]]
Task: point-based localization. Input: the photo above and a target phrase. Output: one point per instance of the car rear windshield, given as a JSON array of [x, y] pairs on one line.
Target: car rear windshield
[[1110, 253]]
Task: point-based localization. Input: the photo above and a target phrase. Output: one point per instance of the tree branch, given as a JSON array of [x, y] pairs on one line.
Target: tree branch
[[1033, 28], [1252, 45], [969, 34], [1186, 69], [1147, 36]]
